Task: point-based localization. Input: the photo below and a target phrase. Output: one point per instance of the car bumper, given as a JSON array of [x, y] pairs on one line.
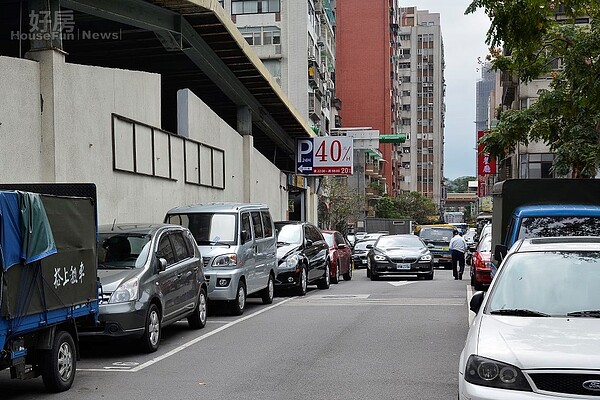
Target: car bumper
[[216, 291], [360, 262], [288, 279], [442, 259], [483, 277], [468, 391], [118, 320], [415, 269]]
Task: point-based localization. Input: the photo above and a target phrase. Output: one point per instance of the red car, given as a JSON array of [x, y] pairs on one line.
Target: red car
[[340, 254], [480, 264]]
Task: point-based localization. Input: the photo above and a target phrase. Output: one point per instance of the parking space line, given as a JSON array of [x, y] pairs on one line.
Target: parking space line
[[190, 343]]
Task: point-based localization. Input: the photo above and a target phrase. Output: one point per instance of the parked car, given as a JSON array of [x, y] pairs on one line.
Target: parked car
[[481, 264], [340, 254], [403, 254], [360, 251], [239, 246], [535, 333], [151, 276], [302, 256]]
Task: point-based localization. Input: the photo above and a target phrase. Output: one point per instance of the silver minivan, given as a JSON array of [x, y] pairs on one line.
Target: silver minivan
[[239, 248]]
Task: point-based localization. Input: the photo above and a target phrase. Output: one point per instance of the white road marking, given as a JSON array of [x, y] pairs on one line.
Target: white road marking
[[188, 344], [400, 283]]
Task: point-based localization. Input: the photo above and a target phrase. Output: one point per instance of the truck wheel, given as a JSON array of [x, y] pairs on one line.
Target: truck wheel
[[58, 364], [152, 333], [197, 320]]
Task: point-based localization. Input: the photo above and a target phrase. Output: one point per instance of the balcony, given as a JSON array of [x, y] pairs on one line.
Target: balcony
[[314, 75]]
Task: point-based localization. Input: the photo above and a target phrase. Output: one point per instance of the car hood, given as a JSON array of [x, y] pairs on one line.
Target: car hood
[[286, 249], [539, 342], [403, 252], [112, 278], [211, 251]]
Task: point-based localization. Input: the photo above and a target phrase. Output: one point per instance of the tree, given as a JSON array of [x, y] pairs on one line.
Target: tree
[[338, 205], [413, 206], [459, 185], [566, 116]]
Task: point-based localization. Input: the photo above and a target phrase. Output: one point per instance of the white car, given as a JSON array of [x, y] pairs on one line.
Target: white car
[[536, 334]]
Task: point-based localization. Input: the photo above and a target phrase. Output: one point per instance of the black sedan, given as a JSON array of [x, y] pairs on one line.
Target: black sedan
[[399, 255], [302, 256], [360, 251]]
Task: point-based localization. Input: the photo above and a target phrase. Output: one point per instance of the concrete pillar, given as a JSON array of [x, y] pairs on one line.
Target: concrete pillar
[[244, 127], [51, 63]]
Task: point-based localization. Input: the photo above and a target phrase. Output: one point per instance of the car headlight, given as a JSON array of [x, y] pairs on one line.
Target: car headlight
[[225, 260], [426, 257], [127, 291], [292, 261], [379, 257], [486, 372]]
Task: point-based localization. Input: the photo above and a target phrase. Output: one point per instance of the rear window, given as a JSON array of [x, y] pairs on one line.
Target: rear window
[[436, 234], [532, 227], [208, 228]]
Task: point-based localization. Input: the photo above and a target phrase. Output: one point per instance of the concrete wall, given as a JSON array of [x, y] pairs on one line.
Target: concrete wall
[[72, 140], [20, 129]]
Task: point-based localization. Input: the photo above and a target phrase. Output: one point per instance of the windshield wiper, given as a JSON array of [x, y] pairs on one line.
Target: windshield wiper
[[586, 313], [520, 312]]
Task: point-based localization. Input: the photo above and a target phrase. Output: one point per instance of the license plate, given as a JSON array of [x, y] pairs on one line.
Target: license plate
[[403, 266], [364, 261]]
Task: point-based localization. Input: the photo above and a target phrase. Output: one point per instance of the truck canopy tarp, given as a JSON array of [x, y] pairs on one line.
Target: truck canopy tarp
[[66, 277], [25, 233]]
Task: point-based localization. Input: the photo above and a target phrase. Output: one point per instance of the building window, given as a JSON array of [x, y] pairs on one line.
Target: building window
[[536, 165], [261, 35], [254, 6]]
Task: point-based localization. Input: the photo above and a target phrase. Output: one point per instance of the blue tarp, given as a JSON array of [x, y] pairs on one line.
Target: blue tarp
[[25, 233]]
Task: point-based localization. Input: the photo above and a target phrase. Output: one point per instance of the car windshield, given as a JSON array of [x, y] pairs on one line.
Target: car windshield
[[391, 242], [553, 283], [362, 245], [328, 238], [291, 234], [436, 234], [123, 250], [533, 227], [208, 228]]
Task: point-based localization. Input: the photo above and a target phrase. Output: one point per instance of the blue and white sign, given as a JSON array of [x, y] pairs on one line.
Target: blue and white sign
[[327, 155]]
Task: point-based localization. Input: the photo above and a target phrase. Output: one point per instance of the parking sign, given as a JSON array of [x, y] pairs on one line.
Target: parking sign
[[327, 155]]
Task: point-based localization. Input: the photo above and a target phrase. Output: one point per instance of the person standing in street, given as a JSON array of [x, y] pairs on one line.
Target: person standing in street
[[458, 247]]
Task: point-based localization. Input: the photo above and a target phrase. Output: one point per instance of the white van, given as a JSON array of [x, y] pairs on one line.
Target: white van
[[239, 248]]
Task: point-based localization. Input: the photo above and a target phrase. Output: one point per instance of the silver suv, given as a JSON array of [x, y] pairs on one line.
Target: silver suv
[[239, 246]]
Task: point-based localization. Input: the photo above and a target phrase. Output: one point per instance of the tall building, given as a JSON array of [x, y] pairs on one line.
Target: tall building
[[295, 40], [484, 88], [421, 73], [367, 81]]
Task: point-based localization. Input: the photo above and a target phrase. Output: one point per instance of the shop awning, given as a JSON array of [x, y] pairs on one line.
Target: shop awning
[[397, 139]]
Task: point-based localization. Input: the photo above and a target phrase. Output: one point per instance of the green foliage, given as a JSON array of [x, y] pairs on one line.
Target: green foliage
[[567, 116], [411, 205], [459, 185], [338, 204]]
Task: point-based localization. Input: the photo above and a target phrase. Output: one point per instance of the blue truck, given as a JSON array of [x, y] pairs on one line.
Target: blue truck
[[526, 208], [48, 278]]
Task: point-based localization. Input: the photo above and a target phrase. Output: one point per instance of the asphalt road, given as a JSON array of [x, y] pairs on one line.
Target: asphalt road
[[398, 338]]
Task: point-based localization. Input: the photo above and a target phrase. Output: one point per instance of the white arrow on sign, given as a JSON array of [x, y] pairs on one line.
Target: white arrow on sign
[[302, 168]]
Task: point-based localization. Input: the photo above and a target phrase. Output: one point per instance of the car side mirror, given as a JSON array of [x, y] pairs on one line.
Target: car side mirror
[[309, 242], [476, 301], [500, 252], [162, 264], [430, 245]]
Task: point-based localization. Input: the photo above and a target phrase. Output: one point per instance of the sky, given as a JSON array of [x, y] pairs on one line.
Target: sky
[[464, 43]]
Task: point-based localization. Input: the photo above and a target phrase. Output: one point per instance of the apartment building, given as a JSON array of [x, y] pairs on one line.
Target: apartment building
[[422, 113], [295, 40], [367, 83]]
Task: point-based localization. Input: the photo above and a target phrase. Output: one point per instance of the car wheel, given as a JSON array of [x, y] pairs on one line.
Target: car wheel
[[348, 275], [368, 272], [239, 304], [324, 283], [269, 291], [473, 281], [429, 277], [302, 282], [374, 276], [152, 332], [336, 276], [478, 286], [198, 319], [58, 364]]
